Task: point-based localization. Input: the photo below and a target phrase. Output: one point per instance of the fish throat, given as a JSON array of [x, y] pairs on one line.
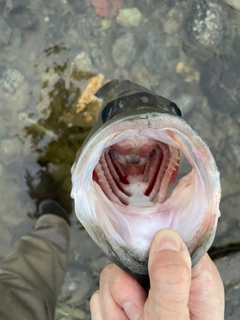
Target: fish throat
[[137, 173]]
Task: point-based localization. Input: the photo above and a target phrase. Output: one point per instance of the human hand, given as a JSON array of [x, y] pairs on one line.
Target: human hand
[[177, 291]]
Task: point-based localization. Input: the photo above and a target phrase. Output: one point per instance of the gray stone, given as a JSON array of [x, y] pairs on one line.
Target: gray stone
[[22, 17], [11, 80], [9, 149], [3, 130], [5, 32], [16, 38], [130, 17], [230, 273], [235, 4], [206, 23], [156, 56], [124, 50]]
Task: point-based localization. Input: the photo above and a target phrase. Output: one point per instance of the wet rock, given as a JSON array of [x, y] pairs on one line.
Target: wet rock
[[230, 205], [76, 287], [22, 18], [9, 150], [130, 17], [14, 89], [235, 4], [189, 73], [79, 6], [105, 24], [5, 32], [124, 50], [3, 130], [205, 27], [230, 273], [173, 20], [105, 8], [220, 82], [16, 38], [5, 239], [157, 55], [81, 63], [11, 80]]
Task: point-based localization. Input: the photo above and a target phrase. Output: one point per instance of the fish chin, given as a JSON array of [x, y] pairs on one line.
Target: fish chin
[[121, 188]]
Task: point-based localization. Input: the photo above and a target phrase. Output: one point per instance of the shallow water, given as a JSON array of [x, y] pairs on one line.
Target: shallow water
[[188, 53]]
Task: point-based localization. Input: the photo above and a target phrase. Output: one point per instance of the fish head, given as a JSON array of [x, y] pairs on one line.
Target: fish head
[[123, 172]]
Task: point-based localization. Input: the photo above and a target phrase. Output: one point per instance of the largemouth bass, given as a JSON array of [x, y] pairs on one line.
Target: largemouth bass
[[122, 175]]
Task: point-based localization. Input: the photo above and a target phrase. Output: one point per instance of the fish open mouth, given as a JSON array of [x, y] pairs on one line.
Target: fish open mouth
[[121, 184], [137, 173]]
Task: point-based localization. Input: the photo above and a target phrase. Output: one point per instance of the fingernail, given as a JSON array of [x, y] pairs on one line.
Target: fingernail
[[131, 310], [168, 239]]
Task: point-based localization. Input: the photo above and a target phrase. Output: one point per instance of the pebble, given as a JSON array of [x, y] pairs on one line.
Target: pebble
[[9, 150], [11, 80], [3, 130], [5, 32], [16, 38], [220, 83], [124, 50], [130, 17], [156, 54], [22, 18], [235, 4]]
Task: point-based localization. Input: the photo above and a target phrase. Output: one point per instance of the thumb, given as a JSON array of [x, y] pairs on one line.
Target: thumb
[[170, 277]]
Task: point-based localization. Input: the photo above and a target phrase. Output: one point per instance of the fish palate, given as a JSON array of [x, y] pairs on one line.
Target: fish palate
[[122, 174]]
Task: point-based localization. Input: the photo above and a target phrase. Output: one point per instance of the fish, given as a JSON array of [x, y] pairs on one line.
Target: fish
[[124, 172]]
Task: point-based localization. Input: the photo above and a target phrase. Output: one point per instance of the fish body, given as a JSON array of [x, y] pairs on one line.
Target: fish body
[[122, 174]]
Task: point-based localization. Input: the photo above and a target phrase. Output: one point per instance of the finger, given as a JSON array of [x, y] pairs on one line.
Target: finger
[[206, 292], [170, 277], [109, 307], [96, 313], [127, 292]]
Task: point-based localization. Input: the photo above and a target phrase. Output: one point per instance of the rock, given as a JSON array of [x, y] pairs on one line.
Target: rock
[[220, 82], [10, 149], [85, 111], [230, 206], [124, 50], [105, 24], [157, 56], [15, 89], [16, 38], [5, 32], [235, 4], [5, 239], [79, 6], [105, 8], [131, 17], [205, 28], [189, 73], [11, 80], [230, 273], [23, 18], [81, 63], [3, 130], [172, 22]]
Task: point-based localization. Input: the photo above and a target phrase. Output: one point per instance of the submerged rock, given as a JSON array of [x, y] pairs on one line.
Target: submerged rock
[[5, 32], [130, 17], [124, 50], [231, 279], [220, 82], [205, 27]]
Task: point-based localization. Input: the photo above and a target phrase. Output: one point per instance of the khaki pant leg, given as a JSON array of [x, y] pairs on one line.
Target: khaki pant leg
[[32, 274]]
